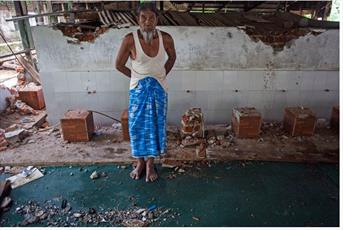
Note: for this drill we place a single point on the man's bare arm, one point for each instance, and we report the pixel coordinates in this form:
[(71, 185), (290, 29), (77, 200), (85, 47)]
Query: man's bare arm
[(170, 49), (123, 56)]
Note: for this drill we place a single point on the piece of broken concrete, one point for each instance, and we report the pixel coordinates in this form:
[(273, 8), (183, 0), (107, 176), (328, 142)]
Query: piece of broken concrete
[(23, 178), (139, 211), (94, 175), (16, 135), (134, 223), (77, 215)]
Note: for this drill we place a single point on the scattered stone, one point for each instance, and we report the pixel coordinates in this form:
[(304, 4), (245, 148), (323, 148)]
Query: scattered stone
[(150, 215), (11, 128), (123, 166), (139, 211), (50, 215), (181, 170), (71, 174), (91, 211), (77, 215), (195, 218), (220, 137), (32, 219), (94, 175), (39, 213), (134, 223)]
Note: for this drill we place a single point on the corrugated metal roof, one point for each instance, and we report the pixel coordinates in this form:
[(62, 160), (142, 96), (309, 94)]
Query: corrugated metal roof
[(174, 18)]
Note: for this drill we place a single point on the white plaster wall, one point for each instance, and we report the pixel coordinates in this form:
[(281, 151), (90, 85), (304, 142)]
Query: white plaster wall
[(216, 69)]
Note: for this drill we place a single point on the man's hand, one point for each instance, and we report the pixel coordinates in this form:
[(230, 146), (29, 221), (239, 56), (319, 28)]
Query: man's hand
[(124, 54)]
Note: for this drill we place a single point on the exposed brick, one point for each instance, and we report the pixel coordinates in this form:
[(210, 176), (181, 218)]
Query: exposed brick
[(246, 122), (299, 121), (77, 125), (192, 123), (125, 125), (32, 96), (201, 150)]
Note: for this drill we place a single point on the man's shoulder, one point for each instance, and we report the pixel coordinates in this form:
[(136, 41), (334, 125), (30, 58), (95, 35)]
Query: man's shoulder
[(128, 38), (165, 34)]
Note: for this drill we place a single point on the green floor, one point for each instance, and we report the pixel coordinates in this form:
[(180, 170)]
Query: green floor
[(225, 194)]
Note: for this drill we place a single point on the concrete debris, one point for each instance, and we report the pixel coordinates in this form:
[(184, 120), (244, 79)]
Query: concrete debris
[(3, 142), (94, 175), (201, 150), (140, 211), (27, 175), (11, 128), (10, 65), (48, 214), (192, 123), (190, 141), (77, 215), (24, 109), (135, 223), (181, 170), (31, 141), (16, 135), (195, 218)]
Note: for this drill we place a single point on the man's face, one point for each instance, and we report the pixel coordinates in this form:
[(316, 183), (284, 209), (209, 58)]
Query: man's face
[(147, 20)]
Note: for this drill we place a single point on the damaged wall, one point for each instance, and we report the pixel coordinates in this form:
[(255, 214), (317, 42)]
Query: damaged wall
[(216, 69)]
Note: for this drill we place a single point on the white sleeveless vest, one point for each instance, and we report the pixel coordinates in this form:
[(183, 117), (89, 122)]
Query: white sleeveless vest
[(145, 66)]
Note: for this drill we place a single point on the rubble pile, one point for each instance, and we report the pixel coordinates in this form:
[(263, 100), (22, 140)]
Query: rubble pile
[(61, 214), (21, 103), (192, 127), (3, 141), (23, 118), (273, 128)]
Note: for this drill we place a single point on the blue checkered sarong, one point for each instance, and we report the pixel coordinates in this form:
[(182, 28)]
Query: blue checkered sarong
[(147, 118)]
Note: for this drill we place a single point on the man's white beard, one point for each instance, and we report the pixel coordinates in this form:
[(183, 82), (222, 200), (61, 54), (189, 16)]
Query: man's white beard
[(148, 36)]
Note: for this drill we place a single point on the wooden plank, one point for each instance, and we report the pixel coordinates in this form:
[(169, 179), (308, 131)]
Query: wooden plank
[(30, 69), (188, 19)]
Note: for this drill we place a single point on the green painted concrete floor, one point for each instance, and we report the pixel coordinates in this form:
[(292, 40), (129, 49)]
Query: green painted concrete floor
[(224, 194)]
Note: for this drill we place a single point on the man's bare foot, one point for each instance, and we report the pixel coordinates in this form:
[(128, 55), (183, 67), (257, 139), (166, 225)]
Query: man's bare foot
[(151, 175), (137, 172)]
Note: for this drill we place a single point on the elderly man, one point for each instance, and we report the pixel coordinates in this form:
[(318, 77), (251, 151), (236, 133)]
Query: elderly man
[(147, 47)]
